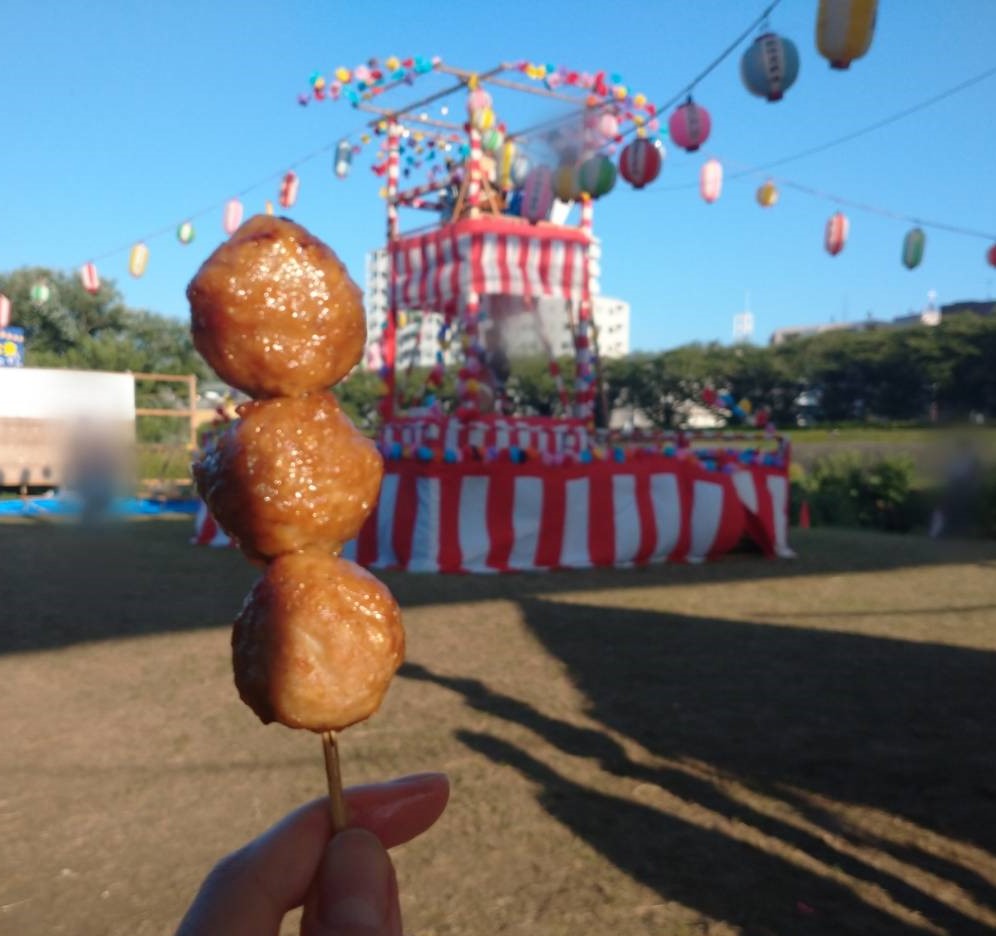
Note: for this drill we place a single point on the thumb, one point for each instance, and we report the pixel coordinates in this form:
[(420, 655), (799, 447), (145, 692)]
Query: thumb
[(355, 892)]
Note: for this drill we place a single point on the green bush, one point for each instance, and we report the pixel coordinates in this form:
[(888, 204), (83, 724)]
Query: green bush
[(847, 490)]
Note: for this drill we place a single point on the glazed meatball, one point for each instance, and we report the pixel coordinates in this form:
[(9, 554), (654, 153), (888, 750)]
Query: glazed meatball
[(316, 643), (275, 313), (290, 474)]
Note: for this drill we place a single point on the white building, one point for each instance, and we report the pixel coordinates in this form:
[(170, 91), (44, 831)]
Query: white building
[(418, 332), (525, 330)]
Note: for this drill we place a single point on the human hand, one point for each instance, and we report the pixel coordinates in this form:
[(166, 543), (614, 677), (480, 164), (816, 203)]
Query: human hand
[(347, 885)]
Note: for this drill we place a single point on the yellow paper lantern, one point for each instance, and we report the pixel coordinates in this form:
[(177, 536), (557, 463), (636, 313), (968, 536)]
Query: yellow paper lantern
[(767, 194), (342, 74), (844, 30), (483, 119), (565, 183)]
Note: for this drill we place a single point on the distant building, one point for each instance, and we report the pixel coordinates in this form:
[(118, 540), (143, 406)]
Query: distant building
[(927, 317), (781, 335)]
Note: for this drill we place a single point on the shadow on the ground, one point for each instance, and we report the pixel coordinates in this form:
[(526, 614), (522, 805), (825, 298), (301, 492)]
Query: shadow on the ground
[(63, 585), (794, 716)]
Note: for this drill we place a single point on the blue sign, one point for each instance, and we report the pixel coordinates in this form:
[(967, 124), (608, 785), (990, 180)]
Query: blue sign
[(11, 347)]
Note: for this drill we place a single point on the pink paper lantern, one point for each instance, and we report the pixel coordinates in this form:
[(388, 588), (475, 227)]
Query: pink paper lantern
[(836, 233), (537, 195), (233, 216), (478, 100), (608, 126), (4, 311), (711, 180), (689, 126)]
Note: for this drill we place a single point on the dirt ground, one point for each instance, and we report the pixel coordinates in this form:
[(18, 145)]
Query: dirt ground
[(754, 747)]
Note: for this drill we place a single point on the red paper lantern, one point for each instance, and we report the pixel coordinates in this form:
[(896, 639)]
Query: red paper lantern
[(711, 180), (90, 278), (640, 163), (689, 126), (288, 189), (836, 233), (991, 255)]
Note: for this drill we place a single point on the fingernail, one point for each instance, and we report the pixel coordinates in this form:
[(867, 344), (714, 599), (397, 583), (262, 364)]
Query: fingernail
[(355, 882), (417, 779)]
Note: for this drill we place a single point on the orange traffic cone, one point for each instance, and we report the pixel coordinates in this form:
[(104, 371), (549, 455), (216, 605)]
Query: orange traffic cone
[(804, 516)]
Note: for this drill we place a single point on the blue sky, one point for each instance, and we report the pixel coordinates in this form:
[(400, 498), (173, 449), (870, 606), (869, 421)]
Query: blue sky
[(122, 118)]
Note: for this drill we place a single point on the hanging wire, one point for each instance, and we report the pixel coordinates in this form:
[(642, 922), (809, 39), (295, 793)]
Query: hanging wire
[(241, 193), (852, 135), (758, 21), (883, 212), (884, 122)]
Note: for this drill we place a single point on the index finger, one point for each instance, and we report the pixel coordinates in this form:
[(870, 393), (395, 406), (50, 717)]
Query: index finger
[(270, 876)]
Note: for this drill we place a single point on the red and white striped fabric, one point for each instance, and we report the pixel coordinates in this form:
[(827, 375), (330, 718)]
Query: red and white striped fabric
[(206, 530), (438, 270), (502, 517), (537, 433)]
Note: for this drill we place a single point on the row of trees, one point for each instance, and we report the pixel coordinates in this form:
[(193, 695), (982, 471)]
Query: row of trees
[(894, 374), (900, 374), (65, 326)]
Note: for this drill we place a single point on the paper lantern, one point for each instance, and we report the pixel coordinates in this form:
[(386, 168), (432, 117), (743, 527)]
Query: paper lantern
[(477, 100), (597, 176), (90, 278), (492, 139), (913, 245), (483, 119), (608, 126), (640, 162), (4, 311), (565, 183), (711, 180), (343, 158), (40, 292), (836, 233), (233, 216), (520, 169), (689, 126), (767, 194), (991, 255), (844, 30), (288, 189), (137, 260), (185, 233), (537, 195), (512, 167), (770, 66)]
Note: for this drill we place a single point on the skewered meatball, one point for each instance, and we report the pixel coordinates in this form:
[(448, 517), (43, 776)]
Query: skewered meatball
[(290, 474), (275, 313), (316, 643)]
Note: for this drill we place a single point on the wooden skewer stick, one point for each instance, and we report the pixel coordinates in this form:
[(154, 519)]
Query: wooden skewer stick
[(337, 804)]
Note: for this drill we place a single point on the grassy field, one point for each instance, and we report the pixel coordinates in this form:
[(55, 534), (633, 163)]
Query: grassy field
[(747, 746)]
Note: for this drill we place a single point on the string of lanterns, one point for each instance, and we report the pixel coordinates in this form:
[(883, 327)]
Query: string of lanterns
[(768, 69)]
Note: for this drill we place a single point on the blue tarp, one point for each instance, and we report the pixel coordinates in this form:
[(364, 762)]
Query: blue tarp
[(69, 506)]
